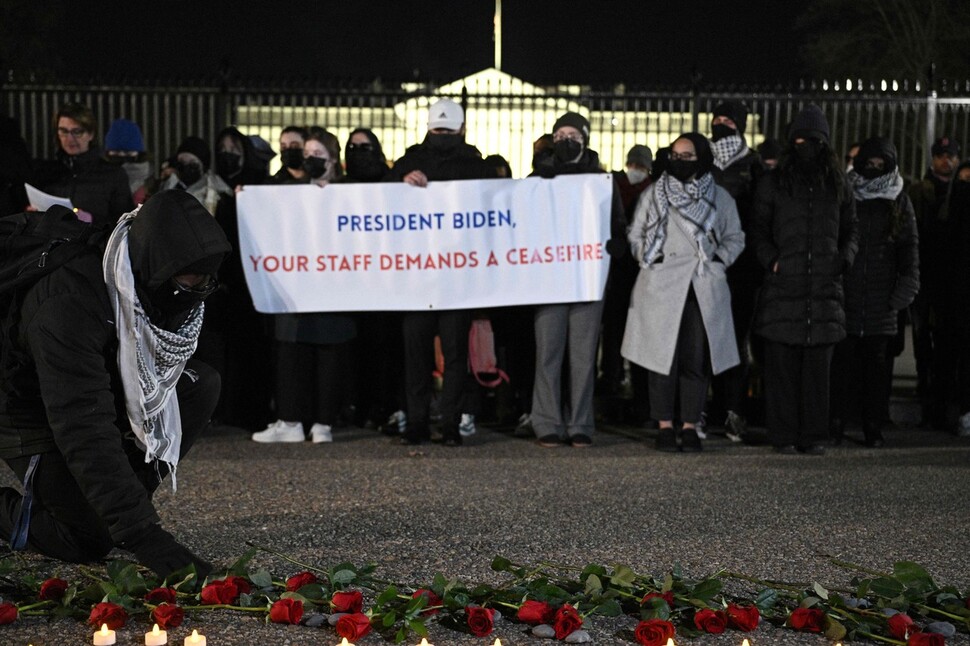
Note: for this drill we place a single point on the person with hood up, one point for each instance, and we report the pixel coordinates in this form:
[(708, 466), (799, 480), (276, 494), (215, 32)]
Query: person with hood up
[(100, 397), (98, 190), (237, 163), (883, 280), (685, 234), (572, 328), (804, 235), (192, 174), (125, 146)]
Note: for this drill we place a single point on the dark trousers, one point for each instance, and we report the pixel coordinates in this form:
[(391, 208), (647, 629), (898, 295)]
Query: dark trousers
[(63, 524), (797, 393), (379, 353), (689, 372), (730, 388), (859, 370), (309, 378), (420, 329)]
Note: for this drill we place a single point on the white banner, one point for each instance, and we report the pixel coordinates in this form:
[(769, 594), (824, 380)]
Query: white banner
[(451, 245)]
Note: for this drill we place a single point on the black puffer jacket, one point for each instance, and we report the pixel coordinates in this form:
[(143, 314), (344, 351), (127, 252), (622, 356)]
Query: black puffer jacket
[(59, 384), (91, 183), (812, 237), (885, 275)]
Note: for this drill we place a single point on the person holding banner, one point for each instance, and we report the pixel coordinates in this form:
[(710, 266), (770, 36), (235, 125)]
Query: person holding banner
[(685, 234), (443, 155), (572, 326)]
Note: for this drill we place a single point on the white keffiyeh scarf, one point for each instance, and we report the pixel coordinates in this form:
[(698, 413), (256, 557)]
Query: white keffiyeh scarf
[(887, 186), (150, 359), (695, 202), (728, 150)]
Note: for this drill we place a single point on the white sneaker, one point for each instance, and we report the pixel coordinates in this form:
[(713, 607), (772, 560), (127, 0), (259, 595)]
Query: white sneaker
[(280, 431), (467, 425), (963, 425), (321, 433), (399, 419)]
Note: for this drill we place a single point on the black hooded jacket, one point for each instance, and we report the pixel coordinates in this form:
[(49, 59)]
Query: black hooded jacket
[(464, 161), (60, 388)]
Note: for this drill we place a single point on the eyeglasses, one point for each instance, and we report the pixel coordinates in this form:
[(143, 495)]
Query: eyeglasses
[(203, 288), (72, 132), (572, 136), (683, 156), (364, 147)]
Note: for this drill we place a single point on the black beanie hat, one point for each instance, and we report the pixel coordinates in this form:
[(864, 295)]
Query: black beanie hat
[(197, 147), (876, 147), (702, 147), (577, 121), (810, 123), (736, 112)]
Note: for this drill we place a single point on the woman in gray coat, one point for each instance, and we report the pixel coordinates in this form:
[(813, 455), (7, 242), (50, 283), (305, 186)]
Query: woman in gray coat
[(685, 233)]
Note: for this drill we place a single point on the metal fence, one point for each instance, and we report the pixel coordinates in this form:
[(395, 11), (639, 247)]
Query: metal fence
[(503, 119)]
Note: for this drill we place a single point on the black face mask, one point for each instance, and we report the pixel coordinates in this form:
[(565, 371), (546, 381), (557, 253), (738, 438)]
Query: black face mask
[(722, 130), (567, 150), (292, 158), (443, 142), (364, 165), (871, 173), (188, 174), (682, 170), (228, 164), (168, 306), (808, 151), (316, 166)]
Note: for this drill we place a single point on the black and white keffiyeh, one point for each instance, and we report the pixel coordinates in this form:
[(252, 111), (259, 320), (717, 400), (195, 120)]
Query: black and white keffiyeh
[(887, 186), (150, 359), (728, 150), (695, 202)]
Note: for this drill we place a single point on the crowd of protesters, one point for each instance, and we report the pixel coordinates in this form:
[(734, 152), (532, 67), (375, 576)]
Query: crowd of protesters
[(782, 271)]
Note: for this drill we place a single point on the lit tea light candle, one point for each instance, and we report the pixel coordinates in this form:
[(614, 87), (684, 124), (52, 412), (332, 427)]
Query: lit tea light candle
[(156, 637), (104, 637), (344, 642), (498, 642), (745, 643), (670, 641), (425, 642), (195, 639)]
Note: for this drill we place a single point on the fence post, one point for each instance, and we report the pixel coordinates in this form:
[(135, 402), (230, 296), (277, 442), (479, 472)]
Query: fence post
[(931, 104), (224, 110), (695, 79)]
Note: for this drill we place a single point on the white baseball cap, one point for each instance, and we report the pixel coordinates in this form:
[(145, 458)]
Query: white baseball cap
[(445, 113)]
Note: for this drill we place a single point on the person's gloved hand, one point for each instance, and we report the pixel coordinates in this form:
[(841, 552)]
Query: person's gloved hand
[(157, 549), (617, 247)]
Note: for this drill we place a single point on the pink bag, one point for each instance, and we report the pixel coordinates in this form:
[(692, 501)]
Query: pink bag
[(481, 354)]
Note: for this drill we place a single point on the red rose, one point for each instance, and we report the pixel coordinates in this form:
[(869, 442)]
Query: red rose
[(926, 639), (241, 584), (161, 595), (710, 621), (168, 616), (8, 613), (108, 613), (744, 618), (654, 632), (433, 600), (667, 596), (567, 620), (353, 626), (52, 590), (536, 612), (286, 611), (297, 581), (810, 620), (221, 592), (901, 625), (349, 601), (481, 621)]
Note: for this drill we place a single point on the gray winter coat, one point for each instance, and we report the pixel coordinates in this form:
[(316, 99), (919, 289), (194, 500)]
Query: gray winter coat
[(657, 302)]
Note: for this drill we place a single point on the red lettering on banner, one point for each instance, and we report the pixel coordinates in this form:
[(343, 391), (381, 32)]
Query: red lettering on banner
[(492, 260)]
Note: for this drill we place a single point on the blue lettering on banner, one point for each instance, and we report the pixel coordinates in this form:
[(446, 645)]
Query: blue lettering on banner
[(390, 222), (480, 219)]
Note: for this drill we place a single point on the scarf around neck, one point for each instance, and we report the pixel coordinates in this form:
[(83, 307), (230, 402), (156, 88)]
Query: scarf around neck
[(694, 200), (887, 186), (150, 359), (728, 150)]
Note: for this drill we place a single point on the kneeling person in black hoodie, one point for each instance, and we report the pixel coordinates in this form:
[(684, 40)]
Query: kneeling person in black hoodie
[(99, 398)]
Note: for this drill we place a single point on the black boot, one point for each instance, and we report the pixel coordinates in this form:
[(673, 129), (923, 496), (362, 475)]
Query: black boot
[(873, 435), (689, 441)]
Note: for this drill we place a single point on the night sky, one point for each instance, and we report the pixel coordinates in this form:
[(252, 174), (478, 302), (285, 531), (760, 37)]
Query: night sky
[(639, 43)]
